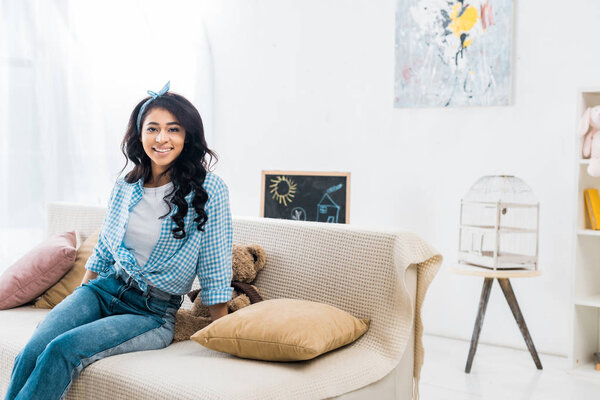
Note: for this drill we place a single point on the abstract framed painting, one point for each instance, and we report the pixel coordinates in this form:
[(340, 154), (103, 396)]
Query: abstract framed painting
[(453, 53)]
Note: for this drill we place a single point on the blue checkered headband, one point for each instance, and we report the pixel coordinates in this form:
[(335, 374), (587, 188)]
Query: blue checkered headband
[(153, 95), (173, 263)]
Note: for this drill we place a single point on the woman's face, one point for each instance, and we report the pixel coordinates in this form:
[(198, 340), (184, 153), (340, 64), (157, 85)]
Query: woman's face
[(162, 138)]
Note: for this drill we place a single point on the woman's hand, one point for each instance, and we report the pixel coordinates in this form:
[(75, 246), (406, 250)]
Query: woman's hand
[(88, 275), (218, 310)]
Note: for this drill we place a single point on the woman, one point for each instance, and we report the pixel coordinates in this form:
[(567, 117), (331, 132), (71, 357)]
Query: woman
[(167, 221)]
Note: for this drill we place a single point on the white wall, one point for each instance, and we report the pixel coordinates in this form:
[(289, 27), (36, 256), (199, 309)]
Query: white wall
[(308, 85)]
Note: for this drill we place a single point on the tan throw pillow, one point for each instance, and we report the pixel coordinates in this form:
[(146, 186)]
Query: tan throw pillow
[(69, 282), (282, 330)]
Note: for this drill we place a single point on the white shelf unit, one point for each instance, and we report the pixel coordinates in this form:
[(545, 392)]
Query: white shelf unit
[(586, 266)]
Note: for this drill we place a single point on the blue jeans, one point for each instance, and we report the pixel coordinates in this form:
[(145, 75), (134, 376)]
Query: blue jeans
[(101, 318)]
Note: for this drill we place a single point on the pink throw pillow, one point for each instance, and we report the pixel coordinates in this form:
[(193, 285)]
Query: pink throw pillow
[(38, 270)]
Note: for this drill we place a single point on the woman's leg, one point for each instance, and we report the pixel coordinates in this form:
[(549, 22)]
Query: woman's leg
[(79, 308), (65, 357)]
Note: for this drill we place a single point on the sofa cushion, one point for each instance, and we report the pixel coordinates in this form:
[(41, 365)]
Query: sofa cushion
[(185, 370), (69, 282), (282, 330), (37, 270)]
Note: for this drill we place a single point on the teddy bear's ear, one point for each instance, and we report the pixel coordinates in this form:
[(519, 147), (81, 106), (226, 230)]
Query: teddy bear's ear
[(584, 122), (259, 256), (193, 294)]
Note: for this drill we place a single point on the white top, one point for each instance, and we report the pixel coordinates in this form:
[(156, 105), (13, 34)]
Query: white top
[(143, 227)]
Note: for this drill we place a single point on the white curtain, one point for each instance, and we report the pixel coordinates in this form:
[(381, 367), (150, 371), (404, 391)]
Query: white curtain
[(71, 72)]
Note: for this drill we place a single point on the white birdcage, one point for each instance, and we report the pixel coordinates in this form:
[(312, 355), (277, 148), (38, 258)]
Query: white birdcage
[(499, 224)]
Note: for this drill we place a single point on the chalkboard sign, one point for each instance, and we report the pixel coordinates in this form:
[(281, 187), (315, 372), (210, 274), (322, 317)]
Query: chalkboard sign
[(306, 196)]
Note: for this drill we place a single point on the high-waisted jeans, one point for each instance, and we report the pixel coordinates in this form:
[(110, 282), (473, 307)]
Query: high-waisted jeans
[(101, 318)]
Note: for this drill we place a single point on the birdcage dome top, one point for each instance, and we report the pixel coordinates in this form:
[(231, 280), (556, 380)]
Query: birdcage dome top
[(504, 188)]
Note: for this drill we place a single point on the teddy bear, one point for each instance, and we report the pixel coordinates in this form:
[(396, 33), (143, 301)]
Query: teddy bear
[(246, 262), (591, 138)]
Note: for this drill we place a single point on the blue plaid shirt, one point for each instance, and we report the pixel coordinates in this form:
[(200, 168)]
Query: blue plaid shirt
[(173, 263)]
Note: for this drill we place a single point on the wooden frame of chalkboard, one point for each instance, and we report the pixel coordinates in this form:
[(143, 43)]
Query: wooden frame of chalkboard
[(306, 196)]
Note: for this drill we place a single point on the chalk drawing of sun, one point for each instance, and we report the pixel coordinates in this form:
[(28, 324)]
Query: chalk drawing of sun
[(283, 189)]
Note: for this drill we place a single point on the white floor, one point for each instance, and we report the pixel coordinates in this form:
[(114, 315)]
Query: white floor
[(499, 373)]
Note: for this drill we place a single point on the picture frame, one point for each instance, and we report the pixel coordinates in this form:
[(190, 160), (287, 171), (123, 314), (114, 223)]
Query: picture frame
[(305, 195)]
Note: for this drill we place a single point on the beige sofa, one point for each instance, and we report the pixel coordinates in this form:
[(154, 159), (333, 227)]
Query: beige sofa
[(371, 274)]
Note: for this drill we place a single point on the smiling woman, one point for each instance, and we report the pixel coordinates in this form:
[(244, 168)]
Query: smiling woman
[(166, 143), (163, 138), (143, 262)]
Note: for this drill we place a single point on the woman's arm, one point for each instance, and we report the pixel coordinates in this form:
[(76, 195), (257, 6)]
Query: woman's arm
[(101, 258), (214, 261), (88, 275)]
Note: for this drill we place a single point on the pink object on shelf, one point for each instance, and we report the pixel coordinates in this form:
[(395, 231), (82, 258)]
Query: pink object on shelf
[(589, 126), (38, 270)]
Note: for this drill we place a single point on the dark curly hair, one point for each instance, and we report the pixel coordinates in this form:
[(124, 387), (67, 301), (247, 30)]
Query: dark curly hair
[(187, 172)]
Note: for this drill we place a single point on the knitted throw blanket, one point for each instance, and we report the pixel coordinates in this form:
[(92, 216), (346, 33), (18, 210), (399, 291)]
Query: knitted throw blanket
[(359, 271)]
